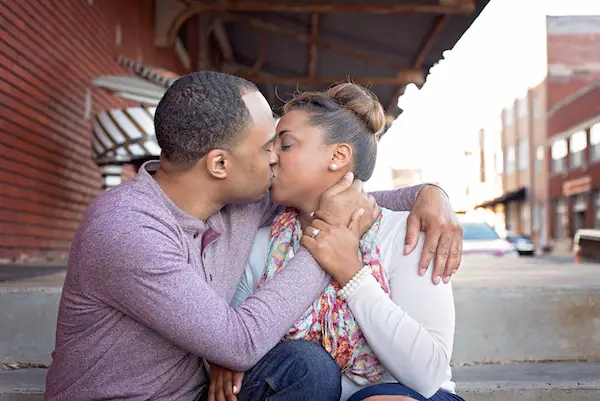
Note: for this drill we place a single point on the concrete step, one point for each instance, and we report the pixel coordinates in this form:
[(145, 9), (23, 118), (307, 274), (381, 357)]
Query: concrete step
[(529, 382), (28, 323), (22, 385), (500, 324), (506, 324), (512, 382)]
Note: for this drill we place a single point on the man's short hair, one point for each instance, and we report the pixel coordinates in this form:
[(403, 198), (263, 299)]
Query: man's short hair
[(200, 112)]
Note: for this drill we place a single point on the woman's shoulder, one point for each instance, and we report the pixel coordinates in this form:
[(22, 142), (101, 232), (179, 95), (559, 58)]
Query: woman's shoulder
[(393, 226)]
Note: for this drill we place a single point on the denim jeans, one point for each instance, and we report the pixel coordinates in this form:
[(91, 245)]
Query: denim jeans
[(293, 371), (399, 389)]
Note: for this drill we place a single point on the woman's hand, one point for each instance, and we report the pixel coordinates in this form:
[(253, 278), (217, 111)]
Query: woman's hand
[(225, 384), (335, 247), (344, 197)]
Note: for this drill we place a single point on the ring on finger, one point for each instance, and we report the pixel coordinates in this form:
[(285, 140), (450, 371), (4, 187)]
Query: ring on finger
[(315, 232)]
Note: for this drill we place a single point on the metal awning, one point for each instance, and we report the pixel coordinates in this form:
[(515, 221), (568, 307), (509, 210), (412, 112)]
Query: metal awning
[(124, 136), (284, 45), (513, 196), (132, 88)]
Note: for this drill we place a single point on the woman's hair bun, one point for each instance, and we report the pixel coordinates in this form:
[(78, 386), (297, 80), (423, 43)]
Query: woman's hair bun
[(361, 102)]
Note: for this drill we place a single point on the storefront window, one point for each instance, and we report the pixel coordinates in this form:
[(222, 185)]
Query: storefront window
[(597, 224), (560, 217)]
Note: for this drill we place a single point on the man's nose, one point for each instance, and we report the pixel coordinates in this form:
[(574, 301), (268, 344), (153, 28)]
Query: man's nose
[(273, 157)]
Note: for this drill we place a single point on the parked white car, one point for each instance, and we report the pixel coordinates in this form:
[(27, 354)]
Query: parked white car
[(479, 238)]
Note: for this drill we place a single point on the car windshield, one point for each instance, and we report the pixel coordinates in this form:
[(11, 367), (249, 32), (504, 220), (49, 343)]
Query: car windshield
[(478, 231)]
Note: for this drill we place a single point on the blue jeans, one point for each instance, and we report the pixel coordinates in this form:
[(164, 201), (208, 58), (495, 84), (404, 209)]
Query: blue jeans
[(293, 371), (399, 389)]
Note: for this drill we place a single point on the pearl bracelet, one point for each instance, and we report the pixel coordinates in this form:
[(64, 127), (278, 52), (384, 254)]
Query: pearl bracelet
[(352, 285)]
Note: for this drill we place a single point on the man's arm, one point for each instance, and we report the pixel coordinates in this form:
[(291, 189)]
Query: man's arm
[(431, 212), (401, 199), (143, 271)]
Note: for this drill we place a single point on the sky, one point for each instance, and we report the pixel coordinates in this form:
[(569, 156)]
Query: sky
[(500, 56)]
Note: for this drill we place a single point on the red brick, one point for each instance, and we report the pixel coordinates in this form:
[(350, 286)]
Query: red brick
[(49, 53)]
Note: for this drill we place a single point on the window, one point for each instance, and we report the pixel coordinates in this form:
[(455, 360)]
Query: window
[(522, 108), (498, 162), (560, 219), (523, 153), (597, 210), (539, 159), (537, 105), (559, 154), (595, 142), (509, 163), (508, 117), (578, 144), (524, 216)]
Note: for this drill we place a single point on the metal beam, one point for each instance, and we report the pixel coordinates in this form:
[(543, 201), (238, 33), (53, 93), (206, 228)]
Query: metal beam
[(454, 7), (313, 48), (438, 26), (403, 78), (308, 39)]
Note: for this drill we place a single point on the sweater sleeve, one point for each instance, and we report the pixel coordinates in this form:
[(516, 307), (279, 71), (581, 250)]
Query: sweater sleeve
[(144, 273), (412, 333)]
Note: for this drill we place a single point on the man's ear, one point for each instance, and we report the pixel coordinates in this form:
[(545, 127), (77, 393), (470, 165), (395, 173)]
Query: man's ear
[(341, 155), (218, 162)]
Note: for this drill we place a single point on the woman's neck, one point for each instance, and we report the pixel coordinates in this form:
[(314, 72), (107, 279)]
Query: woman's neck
[(305, 219)]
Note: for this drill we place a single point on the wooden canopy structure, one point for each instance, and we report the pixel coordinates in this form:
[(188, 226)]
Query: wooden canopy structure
[(285, 45)]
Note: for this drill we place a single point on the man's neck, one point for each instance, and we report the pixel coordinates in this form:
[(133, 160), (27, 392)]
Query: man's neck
[(189, 193)]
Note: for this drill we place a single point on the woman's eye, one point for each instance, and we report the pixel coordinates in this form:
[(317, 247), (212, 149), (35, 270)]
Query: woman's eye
[(285, 147)]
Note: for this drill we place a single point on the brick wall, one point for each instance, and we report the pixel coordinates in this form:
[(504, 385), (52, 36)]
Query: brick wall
[(573, 55), (49, 52)]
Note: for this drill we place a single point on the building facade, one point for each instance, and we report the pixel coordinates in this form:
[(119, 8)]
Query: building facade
[(548, 140), (49, 54)]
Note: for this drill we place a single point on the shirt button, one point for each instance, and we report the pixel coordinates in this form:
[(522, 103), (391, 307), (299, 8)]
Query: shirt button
[(210, 277), (195, 235)]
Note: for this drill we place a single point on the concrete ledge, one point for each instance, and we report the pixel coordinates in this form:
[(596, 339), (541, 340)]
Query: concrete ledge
[(530, 382), (28, 324), (505, 324), (499, 324), (22, 385), (512, 382)]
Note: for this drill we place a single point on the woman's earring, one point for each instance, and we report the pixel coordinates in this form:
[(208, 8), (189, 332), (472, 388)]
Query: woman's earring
[(333, 167)]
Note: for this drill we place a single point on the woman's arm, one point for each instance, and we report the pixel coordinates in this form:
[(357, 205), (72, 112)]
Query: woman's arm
[(412, 334)]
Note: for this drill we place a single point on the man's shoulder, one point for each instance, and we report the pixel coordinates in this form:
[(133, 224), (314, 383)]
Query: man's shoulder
[(128, 199), (125, 209)]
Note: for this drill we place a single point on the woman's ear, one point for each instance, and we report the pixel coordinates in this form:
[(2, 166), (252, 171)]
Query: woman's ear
[(217, 163), (341, 156)]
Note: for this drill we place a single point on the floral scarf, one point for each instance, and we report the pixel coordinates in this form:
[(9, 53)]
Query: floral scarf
[(329, 320)]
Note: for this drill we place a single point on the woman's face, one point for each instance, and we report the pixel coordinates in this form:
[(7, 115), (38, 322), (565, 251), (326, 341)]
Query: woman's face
[(303, 172)]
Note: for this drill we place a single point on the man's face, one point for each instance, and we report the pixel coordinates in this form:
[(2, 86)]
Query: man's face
[(252, 174)]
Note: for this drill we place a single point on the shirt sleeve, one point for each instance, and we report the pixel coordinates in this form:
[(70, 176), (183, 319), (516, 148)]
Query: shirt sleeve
[(412, 334), (255, 268), (401, 199), (144, 273)]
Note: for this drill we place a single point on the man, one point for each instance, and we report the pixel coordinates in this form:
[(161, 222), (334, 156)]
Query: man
[(156, 262)]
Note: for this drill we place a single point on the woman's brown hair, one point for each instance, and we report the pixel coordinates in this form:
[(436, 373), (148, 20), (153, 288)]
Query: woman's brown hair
[(348, 113)]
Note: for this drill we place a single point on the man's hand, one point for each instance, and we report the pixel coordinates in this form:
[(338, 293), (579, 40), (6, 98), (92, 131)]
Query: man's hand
[(335, 247), (224, 384), (433, 214), (346, 196)]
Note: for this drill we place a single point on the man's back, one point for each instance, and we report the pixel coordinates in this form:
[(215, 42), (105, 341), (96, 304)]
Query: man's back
[(148, 290), (119, 357)]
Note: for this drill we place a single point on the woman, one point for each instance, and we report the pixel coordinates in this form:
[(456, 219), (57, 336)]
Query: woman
[(382, 323)]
